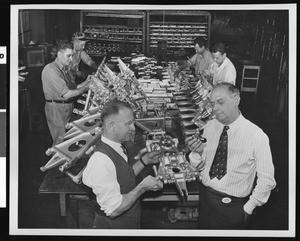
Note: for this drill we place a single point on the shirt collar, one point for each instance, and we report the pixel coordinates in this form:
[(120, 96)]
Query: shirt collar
[(224, 63), (234, 125), (111, 143)]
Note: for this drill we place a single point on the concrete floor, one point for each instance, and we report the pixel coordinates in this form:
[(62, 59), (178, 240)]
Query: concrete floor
[(42, 211)]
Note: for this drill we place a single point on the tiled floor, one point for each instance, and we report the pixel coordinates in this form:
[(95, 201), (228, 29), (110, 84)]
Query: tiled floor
[(42, 211)]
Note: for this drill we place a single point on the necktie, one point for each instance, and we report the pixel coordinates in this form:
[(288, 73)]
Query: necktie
[(124, 149), (219, 166)]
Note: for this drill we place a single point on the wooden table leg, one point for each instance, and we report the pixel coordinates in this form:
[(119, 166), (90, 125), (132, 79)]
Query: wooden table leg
[(63, 205), (76, 213)]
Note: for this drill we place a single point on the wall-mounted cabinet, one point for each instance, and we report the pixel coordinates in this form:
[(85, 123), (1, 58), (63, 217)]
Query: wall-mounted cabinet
[(177, 28), (114, 32), (118, 32)]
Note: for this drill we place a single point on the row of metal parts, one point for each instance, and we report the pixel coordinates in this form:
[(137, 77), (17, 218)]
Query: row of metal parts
[(93, 47), (114, 29), (163, 27), (100, 35)]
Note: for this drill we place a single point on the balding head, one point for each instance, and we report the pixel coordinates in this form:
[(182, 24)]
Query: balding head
[(225, 99)]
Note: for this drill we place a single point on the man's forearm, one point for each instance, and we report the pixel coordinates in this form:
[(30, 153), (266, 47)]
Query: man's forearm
[(83, 84), (128, 200), (73, 93), (93, 65)]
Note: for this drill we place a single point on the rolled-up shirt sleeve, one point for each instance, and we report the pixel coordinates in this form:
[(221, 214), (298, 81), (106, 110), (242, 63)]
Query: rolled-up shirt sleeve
[(86, 58), (192, 60), (100, 175), (265, 173)]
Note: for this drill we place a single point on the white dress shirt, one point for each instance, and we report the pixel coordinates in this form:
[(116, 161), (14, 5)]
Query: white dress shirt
[(100, 175), (249, 155), (226, 72)]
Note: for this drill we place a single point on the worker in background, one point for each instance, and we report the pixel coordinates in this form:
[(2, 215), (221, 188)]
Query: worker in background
[(79, 40), (202, 60), (237, 152), (111, 175), (59, 89), (222, 69)]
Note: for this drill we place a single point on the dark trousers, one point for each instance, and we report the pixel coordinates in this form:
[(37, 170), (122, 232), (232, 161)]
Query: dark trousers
[(216, 212), (121, 222)]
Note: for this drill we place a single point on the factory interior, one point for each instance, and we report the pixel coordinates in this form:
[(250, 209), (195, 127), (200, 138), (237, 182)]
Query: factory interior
[(255, 38)]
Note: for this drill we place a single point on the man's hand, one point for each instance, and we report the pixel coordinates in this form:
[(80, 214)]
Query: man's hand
[(81, 74), (206, 73), (151, 157), (152, 183), (89, 78), (87, 82), (194, 144)]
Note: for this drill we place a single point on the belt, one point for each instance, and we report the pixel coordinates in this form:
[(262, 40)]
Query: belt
[(60, 101), (222, 194)]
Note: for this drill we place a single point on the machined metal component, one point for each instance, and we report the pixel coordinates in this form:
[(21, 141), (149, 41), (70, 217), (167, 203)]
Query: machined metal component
[(182, 98), (187, 116), (153, 126), (173, 168), (82, 125), (67, 153), (187, 123), (187, 110), (185, 103)]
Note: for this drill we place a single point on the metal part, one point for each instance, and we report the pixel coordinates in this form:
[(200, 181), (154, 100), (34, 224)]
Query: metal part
[(187, 123), (179, 93), (76, 178), (185, 103), (187, 116), (173, 167), (153, 126), (187, 110), (67, 153), (82, 125), (181, 98)]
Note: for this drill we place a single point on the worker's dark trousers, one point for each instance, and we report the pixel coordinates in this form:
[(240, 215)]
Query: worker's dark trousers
[(217, 214)]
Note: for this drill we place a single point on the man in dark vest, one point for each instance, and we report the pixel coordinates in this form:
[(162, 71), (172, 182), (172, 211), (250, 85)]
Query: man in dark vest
[(111, 177)]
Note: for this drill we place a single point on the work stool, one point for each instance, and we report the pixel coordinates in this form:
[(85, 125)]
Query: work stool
[(250, 78)]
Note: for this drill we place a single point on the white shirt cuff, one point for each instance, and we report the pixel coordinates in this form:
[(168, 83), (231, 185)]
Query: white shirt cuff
[(195, 159), (249, 207)]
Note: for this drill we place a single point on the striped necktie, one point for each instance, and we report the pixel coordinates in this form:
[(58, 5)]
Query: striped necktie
[(219, 166), (124, 149)]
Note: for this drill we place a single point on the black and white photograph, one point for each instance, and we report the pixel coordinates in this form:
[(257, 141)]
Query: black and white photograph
[(152, 120)]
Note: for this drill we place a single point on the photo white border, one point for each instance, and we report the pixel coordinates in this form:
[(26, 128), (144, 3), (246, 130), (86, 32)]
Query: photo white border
[(13, 177)]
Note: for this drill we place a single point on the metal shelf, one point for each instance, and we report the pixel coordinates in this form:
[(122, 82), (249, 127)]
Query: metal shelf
[(117, 40), (116, 33), (179, 12), (119, 22), (178, 28), (160, 24), (109, 26)]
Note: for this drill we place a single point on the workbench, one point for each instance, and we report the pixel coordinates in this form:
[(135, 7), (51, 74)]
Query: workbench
[(56, 182)]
